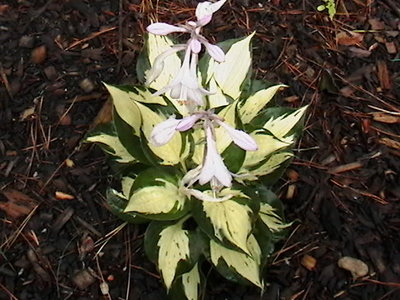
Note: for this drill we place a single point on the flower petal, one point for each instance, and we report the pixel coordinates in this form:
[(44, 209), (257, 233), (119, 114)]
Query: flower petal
[(188, 122), (214, 51), (195, 45), (164, 28), (239, 137), (205, 196), (213, 164), (207, 8), (158, 64), (163, 132)]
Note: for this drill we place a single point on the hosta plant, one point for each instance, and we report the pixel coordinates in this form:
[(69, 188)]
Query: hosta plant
[(197, 148)]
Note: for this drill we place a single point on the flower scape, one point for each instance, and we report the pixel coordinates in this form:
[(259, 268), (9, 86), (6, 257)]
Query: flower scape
[(197, 148)]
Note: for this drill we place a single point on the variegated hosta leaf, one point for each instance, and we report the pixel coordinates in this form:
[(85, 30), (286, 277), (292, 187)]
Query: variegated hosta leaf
[(174, 247), (282, 125), (231, 73), (271, 218), (199, 142), (117, 202), (228, 221), (191, 283), (170, 153), (267, 144), (126, 108), (247, 266), (155, 46), (126, 184), (156, 199), (255, 103), (113, 142), (267, 167), (143, 95), (217, 99), (228, 113)]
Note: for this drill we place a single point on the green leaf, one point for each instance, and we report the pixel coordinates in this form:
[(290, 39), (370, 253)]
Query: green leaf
[(233, 157), (228, 221), (231, 73), (125, 107), (155, 45), (283, 124), (191, 283), (271, 213), (129, 140), (269, 166), (175, 249), (267, 144), (255, 103), (228, 114), (174, 246), (170, 153), (114, 147), (217, 99), (144, 95), (270, 217), (155, 195), (117, 203), (187, 286), (246, 266)]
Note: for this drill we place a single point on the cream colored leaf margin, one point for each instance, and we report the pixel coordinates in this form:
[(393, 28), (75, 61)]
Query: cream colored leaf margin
[(174, 247), (255, 103), (126, 107), (231, 73), (283, 124), (248, 266), (156, 199), (170, 152), (155, 46), (191, 283), (230, 220), (270, 218), (113, 142)]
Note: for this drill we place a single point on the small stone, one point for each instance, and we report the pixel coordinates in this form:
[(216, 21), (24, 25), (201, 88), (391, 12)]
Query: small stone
[(356, 267), (26, 41), (87, 85), (51, 73), (309, 262), (39, 54), (83, 279)]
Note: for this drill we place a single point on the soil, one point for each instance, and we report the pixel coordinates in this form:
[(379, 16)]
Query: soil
[(59, 241)]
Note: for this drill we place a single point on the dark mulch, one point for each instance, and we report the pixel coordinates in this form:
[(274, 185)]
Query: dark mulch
[(58, 241)]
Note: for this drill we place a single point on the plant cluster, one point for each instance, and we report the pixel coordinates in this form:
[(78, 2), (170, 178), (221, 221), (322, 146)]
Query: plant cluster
[(196, 147)]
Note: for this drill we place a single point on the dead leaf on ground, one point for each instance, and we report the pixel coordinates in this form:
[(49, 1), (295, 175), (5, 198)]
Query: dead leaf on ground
[(349, 38), (385, 118), (18, 204), (104, 115), (376, 24), (360, 53), (390, 143), (383, 75), (63, 196), (3, 9), (391, 47)]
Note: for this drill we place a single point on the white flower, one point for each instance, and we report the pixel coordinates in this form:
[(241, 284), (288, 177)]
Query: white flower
[(213, 168), (185, 86)]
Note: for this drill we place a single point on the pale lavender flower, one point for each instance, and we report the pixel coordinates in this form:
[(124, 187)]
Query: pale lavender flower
[(185, 86), (214, 169)]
